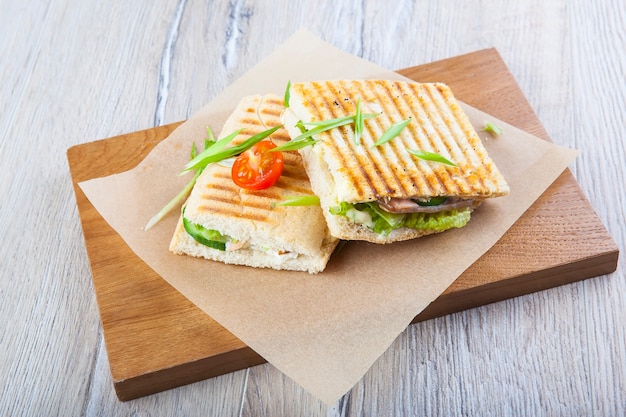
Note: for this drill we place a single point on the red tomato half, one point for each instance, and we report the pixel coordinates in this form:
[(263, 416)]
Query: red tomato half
[(258, 168)]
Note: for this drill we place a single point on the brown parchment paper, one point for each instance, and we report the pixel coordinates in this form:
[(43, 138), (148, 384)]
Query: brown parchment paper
[(324, 331)]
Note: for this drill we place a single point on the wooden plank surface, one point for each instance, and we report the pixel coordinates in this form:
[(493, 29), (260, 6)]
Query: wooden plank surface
[(145, 321)]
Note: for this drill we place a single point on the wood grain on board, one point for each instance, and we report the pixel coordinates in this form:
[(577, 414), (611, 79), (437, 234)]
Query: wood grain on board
[(156, 339)]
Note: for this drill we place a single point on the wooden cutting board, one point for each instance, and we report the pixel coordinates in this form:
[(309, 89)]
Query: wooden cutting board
[(156, 339)]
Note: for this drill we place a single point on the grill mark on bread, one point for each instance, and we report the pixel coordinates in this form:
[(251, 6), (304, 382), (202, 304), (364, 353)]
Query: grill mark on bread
[(294, 172), (469, 152), (268, 193), (235, 203), (369, 166), (485, 171), (368, 160), (236, 211), (362, 161), (443, 100), (219, 187), (279, 136), (436, 113), (348, 102), (215, 198), (319, 102), (272, 112), (421, 171), (389, 169), (475, 181), (405, 188), (250, 122), (393, 180)]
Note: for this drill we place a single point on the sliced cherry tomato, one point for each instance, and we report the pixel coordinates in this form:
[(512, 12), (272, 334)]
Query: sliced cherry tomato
[(258, 168)]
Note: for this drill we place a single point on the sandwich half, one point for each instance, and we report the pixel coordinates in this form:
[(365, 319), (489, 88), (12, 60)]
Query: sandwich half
[(245, 227), (399, 189)]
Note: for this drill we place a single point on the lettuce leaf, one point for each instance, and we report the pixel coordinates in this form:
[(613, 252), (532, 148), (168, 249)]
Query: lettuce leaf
[(371, 215)]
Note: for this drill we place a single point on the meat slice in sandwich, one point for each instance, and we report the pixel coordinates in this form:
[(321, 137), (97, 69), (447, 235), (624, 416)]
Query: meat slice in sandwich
[(399, 189), (245, 227)]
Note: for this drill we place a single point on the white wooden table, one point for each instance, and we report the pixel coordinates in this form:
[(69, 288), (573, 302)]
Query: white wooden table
[(75, 71)]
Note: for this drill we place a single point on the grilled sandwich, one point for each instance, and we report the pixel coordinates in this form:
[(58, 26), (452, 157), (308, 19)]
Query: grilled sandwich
[(245, 227), (426, 179)]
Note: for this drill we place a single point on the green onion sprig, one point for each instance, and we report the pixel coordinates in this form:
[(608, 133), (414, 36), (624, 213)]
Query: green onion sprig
[(492, 128), (393, 131), (299, 200), (219, 151), (294, 145), (305, 139), (214, 151), (431, 156), (358, 123), (209, 142), (287, 95)]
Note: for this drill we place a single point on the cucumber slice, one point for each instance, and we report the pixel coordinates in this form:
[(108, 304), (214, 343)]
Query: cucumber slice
[(206, 237)]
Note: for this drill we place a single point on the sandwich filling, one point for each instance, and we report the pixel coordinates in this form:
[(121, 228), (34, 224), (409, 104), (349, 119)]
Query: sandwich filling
[(374, 216), (216, 240)]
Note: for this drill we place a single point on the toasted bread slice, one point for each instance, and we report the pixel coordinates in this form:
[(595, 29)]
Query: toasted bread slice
[(344, 170), (259, 234)]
